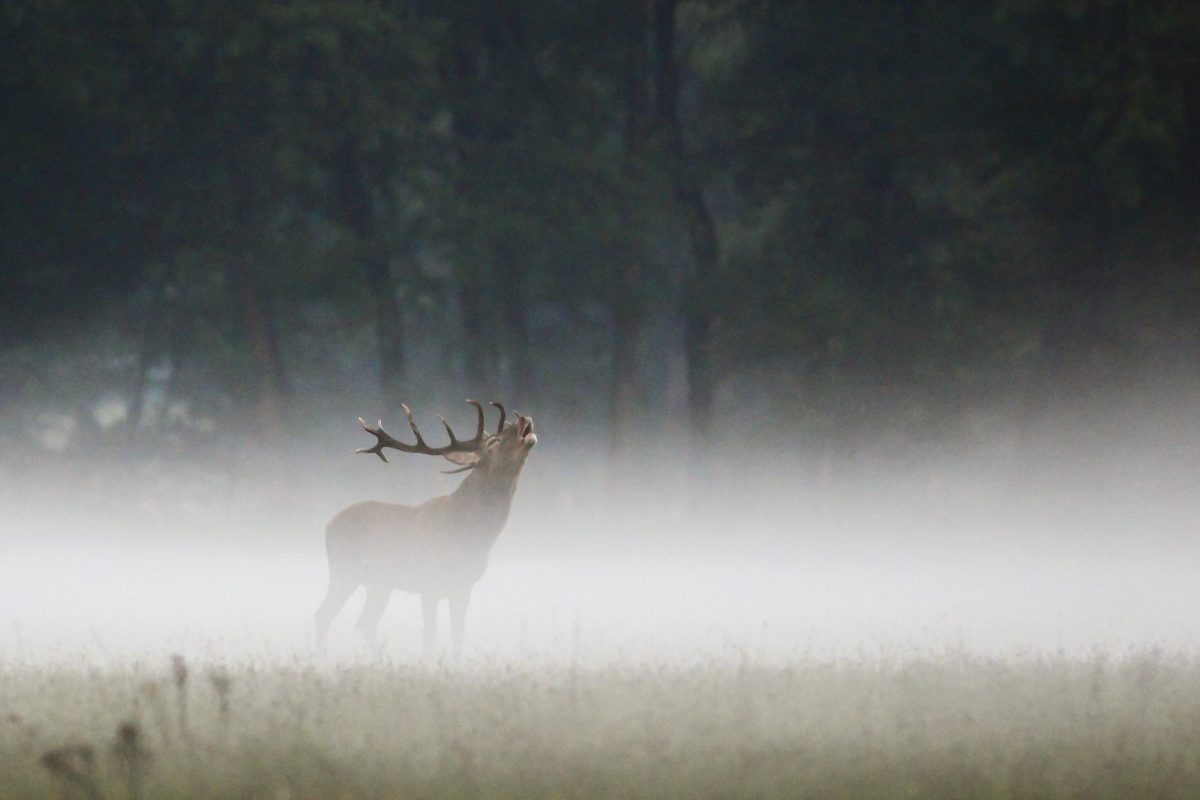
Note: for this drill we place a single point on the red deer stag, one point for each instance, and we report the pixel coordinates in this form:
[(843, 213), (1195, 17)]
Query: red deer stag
[(438, 549)]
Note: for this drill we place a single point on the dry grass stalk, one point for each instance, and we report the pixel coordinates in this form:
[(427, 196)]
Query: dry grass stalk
[(152, 692), (179, 673), (75, 767), (132, 758), (222, 684)]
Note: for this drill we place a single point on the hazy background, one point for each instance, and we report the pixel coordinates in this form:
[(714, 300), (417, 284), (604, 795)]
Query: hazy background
[(847, 328)]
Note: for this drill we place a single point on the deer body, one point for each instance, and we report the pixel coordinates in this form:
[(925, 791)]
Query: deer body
[(438, 549)]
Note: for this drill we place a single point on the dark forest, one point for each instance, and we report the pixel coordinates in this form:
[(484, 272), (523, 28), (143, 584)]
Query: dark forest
[(870, 216)]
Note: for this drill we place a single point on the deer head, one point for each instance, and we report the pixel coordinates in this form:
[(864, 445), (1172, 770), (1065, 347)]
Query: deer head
[(502, 451)]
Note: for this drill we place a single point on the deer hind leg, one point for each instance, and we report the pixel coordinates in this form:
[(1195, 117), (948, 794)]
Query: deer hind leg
[(458, 617), (336, 595), (429, 605), (368, 621)]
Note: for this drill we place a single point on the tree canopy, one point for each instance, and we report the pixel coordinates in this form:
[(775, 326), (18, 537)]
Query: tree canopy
[(947, 202)]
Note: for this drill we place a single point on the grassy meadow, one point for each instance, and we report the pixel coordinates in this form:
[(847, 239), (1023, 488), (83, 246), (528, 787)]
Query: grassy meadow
[(950, 726)]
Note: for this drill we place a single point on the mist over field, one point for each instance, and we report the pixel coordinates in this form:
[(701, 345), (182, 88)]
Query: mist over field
[(1082, 541)]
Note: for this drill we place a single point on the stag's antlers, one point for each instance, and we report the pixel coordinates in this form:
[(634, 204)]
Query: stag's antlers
[(500, 424), (384, 439)]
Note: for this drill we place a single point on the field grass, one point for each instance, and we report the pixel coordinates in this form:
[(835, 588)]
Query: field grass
[(944, 727)]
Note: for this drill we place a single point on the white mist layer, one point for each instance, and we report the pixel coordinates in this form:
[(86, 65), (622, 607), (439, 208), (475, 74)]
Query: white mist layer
[(258, 603), (1072, 538)]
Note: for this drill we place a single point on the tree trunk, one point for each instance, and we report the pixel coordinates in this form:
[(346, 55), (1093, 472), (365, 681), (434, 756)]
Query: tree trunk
[(389, 328), (515, 311), (137, 392), (700, 275), (698, 314), (478, 353), (624, 300), (623, 388), (361, 214), (259, 323), (277, 375), (148, 348)]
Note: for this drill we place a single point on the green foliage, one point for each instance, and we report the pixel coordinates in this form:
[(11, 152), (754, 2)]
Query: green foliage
[(1117, 74)]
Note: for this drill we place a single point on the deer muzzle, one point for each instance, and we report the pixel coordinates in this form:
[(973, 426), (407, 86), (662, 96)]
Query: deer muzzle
[(528, 437)]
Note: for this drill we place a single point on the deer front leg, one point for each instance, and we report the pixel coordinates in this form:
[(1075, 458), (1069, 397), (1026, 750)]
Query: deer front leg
[(339, 591), (429, 604), (458, 617), (368, 621)]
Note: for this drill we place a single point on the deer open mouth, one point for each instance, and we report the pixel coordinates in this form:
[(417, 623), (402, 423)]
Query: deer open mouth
[(526, 432)]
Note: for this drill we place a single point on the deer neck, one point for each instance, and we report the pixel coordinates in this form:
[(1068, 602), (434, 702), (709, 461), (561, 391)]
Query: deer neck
[(485, 498)]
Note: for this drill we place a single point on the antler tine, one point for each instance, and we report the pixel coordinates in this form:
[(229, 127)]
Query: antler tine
[(453, 441), (500, 424), (380, 437), (412, 424), (479, 427)]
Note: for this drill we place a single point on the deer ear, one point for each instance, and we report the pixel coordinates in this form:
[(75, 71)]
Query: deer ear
[(462, 459)]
